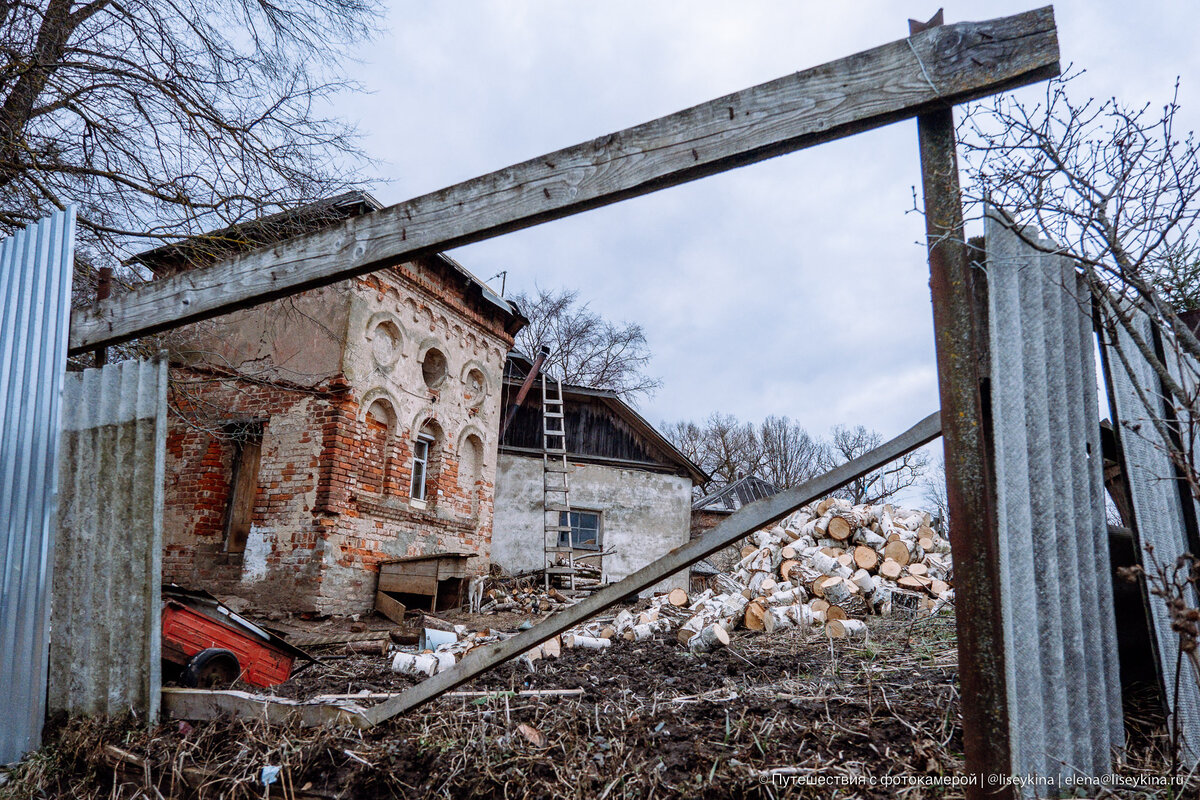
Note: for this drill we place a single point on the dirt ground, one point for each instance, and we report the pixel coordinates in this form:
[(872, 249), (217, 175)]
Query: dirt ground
[(790, 715)]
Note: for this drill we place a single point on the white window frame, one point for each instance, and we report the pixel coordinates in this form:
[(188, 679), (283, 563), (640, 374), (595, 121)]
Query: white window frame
[(570, 535), (417, 489)]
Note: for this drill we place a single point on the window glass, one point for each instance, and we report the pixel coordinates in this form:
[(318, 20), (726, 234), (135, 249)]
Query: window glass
[(585, 530), (420, 459)]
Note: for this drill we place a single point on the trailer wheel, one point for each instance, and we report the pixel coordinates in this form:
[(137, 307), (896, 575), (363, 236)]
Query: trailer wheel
[(210, 669)]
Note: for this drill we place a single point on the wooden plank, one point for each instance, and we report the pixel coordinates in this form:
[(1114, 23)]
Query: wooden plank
[(427, 568), (409, 584), (960, 325), (390, 607), (321, 639), (936, 68), (452, 568), (241, 498), (204, 704), (737, 525)]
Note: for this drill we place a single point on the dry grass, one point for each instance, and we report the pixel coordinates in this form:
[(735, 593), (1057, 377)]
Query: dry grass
[(757, 719)]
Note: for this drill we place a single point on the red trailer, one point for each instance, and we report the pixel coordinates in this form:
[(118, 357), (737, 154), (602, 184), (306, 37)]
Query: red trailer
[(214, 646)]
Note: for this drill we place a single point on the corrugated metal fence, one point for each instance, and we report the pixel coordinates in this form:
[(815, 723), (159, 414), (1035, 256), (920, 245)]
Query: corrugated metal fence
[(105, 655), (35, 289), (1158, 501), (1062, 673)]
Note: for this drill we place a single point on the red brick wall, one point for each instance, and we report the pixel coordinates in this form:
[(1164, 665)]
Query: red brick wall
[(324, 524), (200, 456)]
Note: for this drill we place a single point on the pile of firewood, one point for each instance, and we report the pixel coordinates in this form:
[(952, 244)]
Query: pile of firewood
[(523, 598), (849, 559), (829, 564)]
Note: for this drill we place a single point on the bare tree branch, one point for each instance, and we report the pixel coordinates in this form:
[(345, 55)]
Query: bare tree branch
[(585, 348)]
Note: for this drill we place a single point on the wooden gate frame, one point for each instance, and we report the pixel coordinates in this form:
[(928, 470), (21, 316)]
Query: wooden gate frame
[(922, 76)]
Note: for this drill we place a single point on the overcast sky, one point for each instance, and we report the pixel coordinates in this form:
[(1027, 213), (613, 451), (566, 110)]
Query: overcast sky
[(797, 286)]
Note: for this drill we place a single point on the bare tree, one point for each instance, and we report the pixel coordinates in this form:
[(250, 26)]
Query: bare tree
[(732, 448), (934, 484), (1114, 188), (688, 437), (850, 443), (163, 119), (791, 455), (585, 348), (778, 450)]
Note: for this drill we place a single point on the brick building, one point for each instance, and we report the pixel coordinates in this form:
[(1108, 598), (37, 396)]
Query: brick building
[(313, 437)]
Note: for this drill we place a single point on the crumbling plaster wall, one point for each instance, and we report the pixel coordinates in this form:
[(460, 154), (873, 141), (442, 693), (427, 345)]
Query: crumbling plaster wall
[(394, 323), (297, 340), (644, 515)]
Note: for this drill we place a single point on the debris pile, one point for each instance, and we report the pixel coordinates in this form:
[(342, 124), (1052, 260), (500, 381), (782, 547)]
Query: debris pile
[(521, 596)]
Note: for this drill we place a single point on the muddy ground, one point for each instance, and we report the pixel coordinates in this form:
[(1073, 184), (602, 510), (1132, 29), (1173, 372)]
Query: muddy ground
[(770, 716)]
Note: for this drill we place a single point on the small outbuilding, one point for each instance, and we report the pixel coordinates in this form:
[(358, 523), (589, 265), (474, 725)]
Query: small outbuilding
[(630, 488)]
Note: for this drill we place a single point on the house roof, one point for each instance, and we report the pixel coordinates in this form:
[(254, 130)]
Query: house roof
[(242, 237), (622, 410), (737, 494)]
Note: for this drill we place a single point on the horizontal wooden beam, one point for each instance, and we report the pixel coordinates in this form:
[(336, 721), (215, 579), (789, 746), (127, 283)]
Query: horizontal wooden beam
[(936, 68), (737, 525)]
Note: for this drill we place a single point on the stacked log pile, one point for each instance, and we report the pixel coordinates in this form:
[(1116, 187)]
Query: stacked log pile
[(851, 560), (826, 566), (522, 597)]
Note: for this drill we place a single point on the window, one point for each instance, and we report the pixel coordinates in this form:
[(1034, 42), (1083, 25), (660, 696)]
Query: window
[(585, 530), (420, 466)]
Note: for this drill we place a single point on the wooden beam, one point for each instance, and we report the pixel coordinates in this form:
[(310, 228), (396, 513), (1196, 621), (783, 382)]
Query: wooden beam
[(750, 518), (933, 69), (207, 704), (958, 290)]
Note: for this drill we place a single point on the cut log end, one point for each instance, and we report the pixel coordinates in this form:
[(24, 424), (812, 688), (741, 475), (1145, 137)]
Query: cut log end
[(851, 629), (839, 528)]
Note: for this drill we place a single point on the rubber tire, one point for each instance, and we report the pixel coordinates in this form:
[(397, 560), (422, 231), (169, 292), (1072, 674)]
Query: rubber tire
[(211, 669)]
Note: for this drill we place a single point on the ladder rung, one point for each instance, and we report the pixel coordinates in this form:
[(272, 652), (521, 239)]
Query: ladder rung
[(556, 451), (558, 528), (561, 469), (557, 507), (560, 570), (553, 414)]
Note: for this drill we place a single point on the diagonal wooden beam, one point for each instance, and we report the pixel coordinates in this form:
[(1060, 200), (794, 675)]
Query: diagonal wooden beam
[(741, 523), (932, 69)]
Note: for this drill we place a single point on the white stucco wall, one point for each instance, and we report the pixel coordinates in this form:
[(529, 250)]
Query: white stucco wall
[(645, 515)]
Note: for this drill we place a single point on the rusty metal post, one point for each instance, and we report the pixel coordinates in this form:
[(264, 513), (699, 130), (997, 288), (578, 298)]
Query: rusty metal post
[(959, 323), (525, 387)]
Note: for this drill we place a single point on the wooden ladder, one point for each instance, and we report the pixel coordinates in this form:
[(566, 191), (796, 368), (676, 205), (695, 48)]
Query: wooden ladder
[(556, 499)]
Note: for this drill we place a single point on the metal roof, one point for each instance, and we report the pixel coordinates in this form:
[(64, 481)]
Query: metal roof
[(737, 494)]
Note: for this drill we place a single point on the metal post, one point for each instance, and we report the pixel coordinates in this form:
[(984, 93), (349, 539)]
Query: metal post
[(525, 387), (960, 338)]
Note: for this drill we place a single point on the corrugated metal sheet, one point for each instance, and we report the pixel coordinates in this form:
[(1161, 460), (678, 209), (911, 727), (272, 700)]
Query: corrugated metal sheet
[(1060, 633), (35, 289), (105, 653), (1157, 502), (741, 492)]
